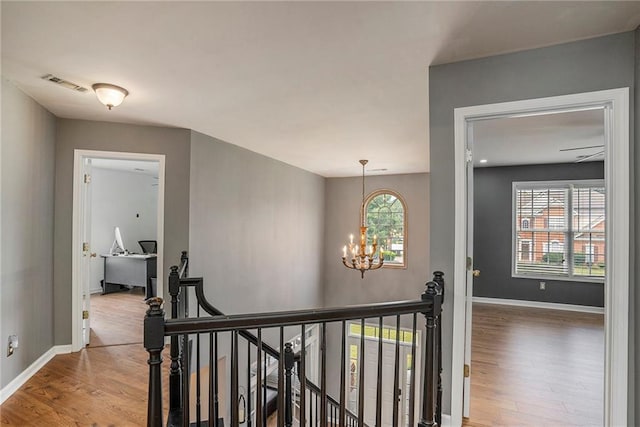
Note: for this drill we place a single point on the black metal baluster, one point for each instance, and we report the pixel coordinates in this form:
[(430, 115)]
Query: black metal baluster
[(302, 374), (412, 387), (361, 376), (234, 379), (259, 386), (198, 407), (264, 392), (323, 378), (379, 385), (396, 375), (247, 411), (216, 407), (186, 375), (343, 366), (281, 392), (212, 420)]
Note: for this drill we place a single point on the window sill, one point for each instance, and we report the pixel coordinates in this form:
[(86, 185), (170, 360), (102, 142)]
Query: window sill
[(560, 278)]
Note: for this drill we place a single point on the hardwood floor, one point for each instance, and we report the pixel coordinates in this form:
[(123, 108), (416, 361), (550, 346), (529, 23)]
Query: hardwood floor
[(117, 318), (529, 367), (536, 367), (103, 385)]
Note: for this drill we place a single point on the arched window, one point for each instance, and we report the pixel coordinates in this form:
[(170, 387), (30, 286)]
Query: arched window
[(525, 224), (386, 216)]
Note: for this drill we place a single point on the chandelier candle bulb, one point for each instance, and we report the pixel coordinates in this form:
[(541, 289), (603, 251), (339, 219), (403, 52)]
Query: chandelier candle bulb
[(344, 251)]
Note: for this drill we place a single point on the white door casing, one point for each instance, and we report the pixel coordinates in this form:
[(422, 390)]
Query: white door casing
[(466, 400), (616, 107), (79, 224), (87, 250)]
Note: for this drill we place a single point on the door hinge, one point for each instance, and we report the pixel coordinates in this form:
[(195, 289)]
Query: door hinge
[(466, 371), (85, 247), (87, 178), (469, 156), (85, 314)]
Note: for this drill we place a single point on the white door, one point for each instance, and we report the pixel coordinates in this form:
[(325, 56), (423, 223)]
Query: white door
[(387, 380), (466, 399), (87, 253)]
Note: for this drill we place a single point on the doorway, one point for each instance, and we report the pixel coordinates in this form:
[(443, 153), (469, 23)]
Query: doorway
[(371, 380), (118, 200), (615, 104)]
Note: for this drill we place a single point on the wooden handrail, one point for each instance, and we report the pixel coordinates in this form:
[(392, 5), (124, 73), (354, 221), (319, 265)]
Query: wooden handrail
[(237, 322)]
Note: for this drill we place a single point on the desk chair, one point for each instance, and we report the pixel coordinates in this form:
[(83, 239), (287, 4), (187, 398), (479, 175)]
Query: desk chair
[(148, 246)]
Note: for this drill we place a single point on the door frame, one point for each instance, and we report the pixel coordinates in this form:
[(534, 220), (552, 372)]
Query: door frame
[(617, 184), (78, 224)]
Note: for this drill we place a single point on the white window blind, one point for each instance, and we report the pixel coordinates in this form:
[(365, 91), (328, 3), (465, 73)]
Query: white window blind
[(558, 229)]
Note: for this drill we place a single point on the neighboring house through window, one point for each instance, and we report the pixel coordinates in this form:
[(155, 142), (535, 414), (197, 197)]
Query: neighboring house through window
[(559, 229), (386, 216)]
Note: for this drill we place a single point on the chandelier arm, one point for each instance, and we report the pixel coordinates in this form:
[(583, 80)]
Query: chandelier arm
[(344, 261)]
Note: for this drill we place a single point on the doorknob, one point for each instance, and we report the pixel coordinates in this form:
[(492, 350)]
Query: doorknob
[(93, 255), (476, 273)]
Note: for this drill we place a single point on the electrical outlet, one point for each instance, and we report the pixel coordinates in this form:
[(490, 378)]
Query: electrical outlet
[(13, 344), (543, 286)]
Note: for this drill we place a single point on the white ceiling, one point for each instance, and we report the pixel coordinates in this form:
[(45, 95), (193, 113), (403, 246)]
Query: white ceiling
[(317, 85), (549, 138)]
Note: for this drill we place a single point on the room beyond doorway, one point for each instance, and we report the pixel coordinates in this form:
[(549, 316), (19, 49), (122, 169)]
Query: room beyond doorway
[(124, 216), (616, 284)]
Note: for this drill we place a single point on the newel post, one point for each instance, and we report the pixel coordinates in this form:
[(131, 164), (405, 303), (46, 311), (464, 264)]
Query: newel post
[(428, 418), (438, 277), (289, 360), (154, 344), (175, 380)]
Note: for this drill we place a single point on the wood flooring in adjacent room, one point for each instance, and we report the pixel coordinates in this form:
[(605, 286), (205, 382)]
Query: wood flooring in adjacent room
[(532, 366), (103, 385)]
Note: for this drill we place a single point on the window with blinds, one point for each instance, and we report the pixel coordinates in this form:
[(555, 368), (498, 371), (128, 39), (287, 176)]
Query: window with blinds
[(559, 230)]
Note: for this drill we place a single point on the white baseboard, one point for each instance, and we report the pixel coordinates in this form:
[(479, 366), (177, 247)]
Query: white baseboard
[(446, 420), (539, 304), (95, 291), (24, 376)]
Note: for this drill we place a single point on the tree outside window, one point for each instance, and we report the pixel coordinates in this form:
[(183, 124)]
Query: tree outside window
[(385, 215)]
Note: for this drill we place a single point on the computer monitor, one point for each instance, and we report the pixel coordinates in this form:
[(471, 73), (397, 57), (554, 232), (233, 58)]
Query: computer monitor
[(118, 245)]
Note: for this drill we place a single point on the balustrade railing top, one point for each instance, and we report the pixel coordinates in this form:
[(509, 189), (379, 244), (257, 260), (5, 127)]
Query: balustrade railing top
[(180, 329)]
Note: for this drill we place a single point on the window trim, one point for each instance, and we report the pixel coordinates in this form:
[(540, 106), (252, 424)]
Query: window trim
[(568, 249), (405, 221)]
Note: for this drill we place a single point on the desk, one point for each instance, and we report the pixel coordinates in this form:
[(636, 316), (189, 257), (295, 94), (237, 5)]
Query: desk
[(129, 270)]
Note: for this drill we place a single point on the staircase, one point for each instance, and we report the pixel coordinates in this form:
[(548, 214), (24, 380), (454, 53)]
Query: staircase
[(320, 367)]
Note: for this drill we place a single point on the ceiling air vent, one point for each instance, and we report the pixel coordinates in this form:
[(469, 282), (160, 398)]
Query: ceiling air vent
[(64, 83)]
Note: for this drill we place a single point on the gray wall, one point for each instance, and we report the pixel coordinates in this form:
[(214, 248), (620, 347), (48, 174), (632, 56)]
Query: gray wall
[(344, 286), (128, 200), (634, 339), (492, 240), (89, 135), (589, 65), (256, 229), (342, 217), (26, 309)]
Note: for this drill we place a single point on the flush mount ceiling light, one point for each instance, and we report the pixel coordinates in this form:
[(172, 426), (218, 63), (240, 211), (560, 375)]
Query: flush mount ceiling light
[(110, 95)]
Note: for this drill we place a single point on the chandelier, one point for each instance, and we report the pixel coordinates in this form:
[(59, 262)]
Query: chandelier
[(362, 256)]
